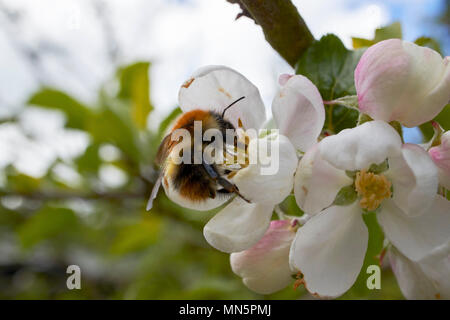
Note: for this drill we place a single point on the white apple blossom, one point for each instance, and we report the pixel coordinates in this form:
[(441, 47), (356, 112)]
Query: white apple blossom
[(239, 225), (264, 268), (397, 181), (441, 157), (399, 80)]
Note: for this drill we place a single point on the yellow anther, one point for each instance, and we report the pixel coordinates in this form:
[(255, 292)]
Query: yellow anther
[(240, 125), (373, 188), (239, 153)]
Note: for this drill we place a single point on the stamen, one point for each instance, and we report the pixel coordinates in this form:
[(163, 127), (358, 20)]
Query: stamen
[(299, 280), (294, 225), (240, 125), (381, 256), (373, 188), (232, 174), (236, 156)]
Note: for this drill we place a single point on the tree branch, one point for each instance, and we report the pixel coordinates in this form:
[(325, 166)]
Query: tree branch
[(282, 25)]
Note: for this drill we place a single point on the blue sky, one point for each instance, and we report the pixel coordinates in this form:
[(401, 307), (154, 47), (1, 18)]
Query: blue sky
[(418, 19)]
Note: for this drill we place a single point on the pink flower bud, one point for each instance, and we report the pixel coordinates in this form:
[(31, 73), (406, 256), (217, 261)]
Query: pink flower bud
[(399, 80), (264, 268)]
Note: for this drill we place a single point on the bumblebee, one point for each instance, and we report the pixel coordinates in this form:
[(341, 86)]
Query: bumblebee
[(195, 183)]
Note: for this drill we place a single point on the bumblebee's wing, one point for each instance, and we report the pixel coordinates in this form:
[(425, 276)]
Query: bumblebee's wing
[(155, 190), (163, 150), (161, 157)]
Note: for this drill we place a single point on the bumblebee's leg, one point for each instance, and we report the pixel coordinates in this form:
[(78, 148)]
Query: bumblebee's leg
[(227, 185)]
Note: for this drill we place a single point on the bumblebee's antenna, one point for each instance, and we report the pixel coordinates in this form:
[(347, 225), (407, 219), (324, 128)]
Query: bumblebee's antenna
[(224, 110)]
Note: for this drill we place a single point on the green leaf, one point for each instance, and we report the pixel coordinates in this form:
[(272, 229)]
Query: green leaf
[(398, 127), (76, 113), (137, 237), (427, 131), (47, 223), (391, 31), (358, 43), (344, 118), (290, 207), (330, 66), (363, 118), (429, 42), (443, 118), (135, 86)]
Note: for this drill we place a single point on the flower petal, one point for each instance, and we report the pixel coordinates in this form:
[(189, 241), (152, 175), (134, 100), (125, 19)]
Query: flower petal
[(298, 111), (216, 87), (317, 183), (441, 157), (412, 280), (436, 266), (264, 268), (329, 250), (399, 80), (444, 178), (273, 182), (359, 147), (414, 178), (238, 226), (415, 237)]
